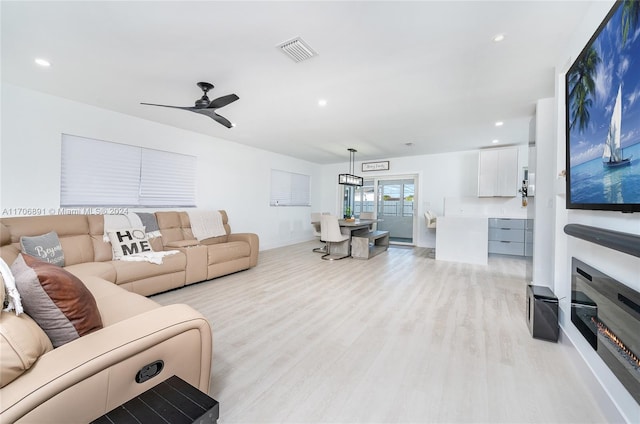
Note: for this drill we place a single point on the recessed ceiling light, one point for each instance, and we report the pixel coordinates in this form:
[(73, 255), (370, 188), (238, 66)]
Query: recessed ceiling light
[(496, 141), (409, 144), (233, 124), (322, 102), (498, 37), (499, 123), (42, 62)]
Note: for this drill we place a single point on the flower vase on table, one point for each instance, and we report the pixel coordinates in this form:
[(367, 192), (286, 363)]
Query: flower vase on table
[(347, 215)]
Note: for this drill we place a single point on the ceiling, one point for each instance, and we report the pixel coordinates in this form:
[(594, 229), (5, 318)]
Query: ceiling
[(399, 78)]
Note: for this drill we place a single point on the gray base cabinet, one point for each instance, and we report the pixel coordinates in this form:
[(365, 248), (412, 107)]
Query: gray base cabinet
[(511, 236)]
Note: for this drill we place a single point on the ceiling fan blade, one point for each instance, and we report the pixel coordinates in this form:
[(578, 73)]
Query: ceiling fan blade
[(211, 114), (173, 107), (222, 120), (222, 101)]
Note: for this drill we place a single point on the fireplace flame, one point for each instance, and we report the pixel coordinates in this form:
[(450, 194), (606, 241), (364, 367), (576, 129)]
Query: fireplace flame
[(610, 335)]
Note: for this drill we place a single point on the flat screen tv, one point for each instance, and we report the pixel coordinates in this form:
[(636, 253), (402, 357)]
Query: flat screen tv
[(603, 116)]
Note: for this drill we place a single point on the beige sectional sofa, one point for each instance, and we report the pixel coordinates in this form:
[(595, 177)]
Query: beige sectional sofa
[(215, 256), (87, 254), (84, 378)]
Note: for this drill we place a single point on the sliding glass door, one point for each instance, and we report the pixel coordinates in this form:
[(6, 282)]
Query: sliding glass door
[(365, 198), (392, 200)]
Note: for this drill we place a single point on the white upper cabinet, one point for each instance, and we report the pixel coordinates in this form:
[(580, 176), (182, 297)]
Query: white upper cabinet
[(498, 172)]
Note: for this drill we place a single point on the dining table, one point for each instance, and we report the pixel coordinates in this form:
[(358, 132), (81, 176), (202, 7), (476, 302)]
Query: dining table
[(348, 227)]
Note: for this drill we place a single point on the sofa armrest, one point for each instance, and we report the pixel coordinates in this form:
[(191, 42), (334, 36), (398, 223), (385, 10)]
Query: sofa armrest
[(254, 244), (181, 243), (104, 364), (196, 269)]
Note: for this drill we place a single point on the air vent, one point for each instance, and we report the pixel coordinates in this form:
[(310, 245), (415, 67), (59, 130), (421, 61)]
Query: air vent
[(297, 49)]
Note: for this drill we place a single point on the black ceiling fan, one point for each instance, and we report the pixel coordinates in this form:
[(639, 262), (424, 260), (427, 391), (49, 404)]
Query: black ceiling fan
[(205, 106)]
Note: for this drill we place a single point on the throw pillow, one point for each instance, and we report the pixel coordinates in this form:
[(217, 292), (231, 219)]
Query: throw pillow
[(45, 247), (128, 241), (56, 299), (10, 294), (3, 292)]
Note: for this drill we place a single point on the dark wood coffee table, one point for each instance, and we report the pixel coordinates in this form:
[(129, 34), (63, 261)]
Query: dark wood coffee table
[(172, 401)]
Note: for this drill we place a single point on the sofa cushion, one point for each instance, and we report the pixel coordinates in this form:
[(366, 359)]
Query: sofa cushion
[(128, 241), (116, 304), (46, 247), (77, 249), (127, 271), (101, 249), (229, 251), (177, 226), (215, 240), (182, 243), (5, 235), (56, 299), (22, 342), (72, 230), (104, 270)]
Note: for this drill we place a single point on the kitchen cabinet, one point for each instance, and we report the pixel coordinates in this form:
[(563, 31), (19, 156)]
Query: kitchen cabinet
[(528, 238), (510, 236), (498, 172)]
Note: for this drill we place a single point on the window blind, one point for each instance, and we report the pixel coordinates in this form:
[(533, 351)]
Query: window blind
[(290, 189), (167, 179), (101, 173)]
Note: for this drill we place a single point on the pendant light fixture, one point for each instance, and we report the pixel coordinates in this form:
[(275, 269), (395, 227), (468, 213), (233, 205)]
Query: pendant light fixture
[(350, 179)]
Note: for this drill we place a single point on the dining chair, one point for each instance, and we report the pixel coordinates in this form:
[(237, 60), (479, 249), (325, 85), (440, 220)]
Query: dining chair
[(368, 215), (315, 222), (331, 235), (430, 219)]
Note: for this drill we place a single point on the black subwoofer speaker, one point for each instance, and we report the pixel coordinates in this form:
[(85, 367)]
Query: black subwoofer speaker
[(542, 313)]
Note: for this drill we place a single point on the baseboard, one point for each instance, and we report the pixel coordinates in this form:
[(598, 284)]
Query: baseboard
[(291, 242), (604, 401)]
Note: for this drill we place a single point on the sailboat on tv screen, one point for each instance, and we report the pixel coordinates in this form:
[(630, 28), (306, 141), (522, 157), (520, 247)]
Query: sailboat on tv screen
[(612, 156)]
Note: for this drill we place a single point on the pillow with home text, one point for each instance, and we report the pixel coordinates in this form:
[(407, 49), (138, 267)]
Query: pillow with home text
[(128, 241)]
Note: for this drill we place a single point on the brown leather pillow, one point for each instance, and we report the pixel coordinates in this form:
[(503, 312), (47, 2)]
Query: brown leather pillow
[(57, 300)]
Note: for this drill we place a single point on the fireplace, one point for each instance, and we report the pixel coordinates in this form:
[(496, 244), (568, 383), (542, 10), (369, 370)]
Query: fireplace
[(607, 314)]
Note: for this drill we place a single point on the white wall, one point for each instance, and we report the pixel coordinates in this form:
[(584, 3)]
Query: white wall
[(543, 202), (620, 266), (448, 176), (230, 176)]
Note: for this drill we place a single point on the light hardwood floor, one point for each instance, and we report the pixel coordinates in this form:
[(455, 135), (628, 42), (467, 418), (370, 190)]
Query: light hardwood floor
[(398, 338)]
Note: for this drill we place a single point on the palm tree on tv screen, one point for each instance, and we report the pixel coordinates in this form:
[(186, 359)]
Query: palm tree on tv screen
[(582, 88), (630, 16), (582, 78)]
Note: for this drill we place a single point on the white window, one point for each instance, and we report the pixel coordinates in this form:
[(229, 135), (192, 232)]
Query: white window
[(100, 173), (290, 189)]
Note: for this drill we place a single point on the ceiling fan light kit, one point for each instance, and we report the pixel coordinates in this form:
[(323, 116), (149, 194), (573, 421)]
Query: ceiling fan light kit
[(207, 107)]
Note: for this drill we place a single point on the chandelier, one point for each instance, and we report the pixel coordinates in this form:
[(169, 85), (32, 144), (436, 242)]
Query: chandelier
[(350, 179)]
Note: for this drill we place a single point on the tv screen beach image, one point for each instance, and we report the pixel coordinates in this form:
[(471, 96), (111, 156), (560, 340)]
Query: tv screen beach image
[(603, 114)]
